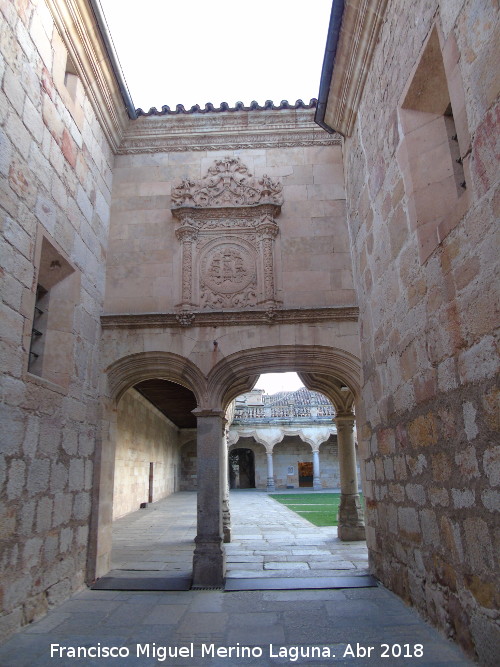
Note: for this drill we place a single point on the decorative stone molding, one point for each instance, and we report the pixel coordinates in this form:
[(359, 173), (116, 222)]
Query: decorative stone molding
[(339, 394), (227, 234), (227, 183), (185, 319), (301, 406), (80, 33), (224, 106), (129, 371), (269, 437), (230, 318), (235, 131), (316, 359), (361, 23)]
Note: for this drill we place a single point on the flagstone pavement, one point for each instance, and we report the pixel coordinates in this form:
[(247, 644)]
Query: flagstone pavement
[(212, 628)]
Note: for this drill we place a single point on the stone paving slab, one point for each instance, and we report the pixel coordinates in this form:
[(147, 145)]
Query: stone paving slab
[(287, 621), (298, 583), (265, 533), (274, 621)]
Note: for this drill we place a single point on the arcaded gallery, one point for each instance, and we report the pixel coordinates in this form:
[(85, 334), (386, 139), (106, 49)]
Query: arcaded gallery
[(156, 263)]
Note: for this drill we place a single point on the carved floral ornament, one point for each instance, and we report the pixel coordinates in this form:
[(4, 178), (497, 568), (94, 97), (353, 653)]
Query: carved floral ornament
[(227, 232), (228, 183)]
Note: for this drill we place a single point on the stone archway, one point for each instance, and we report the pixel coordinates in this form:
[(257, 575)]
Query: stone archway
[(331, 369), (122, 375)]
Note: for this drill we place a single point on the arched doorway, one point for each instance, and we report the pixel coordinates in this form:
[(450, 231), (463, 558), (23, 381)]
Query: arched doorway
[(333, 371), (170, 386), (241, 469)]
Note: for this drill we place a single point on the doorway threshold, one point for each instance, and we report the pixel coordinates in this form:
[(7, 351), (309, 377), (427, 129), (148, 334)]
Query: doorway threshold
[(142, 580), (298, 583), (155, 580)]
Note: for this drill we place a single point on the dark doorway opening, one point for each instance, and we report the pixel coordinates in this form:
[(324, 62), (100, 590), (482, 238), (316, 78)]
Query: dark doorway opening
[(305, 473), (241, 469)]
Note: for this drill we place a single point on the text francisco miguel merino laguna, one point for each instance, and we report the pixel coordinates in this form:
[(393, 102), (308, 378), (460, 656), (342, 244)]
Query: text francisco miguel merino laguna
[(162, 653)]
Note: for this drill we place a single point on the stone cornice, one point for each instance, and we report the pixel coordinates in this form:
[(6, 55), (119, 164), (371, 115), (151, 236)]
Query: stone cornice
[(229, 318), (80, 33), (361, 23), (225, 131)]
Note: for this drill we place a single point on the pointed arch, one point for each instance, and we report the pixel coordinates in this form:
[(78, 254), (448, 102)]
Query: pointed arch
[(231, 374)]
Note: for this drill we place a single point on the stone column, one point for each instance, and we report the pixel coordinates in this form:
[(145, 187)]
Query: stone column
[(209, 564), (316, 472), (350, 518), (270, 472), (267, 232)]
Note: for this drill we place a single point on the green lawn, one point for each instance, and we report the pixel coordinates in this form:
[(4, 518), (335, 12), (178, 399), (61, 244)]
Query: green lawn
[(318, 508)]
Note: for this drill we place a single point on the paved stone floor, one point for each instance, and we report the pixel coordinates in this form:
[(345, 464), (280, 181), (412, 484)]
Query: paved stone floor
[(262, 627), (268, 540)]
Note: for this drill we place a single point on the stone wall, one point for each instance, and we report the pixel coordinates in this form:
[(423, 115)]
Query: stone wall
[(145, 436), (428, 307), (329, 464), (189, 467), (55, 166), (288, 453), (312, 260)]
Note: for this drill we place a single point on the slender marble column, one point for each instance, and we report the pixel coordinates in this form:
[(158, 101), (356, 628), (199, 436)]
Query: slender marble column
[(209, 564), (270, 472), (351, 519), (316, 471)]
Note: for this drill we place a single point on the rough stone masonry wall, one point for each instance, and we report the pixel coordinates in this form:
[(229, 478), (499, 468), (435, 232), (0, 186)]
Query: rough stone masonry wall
[(430, 431), (144, 436), (56, 176)]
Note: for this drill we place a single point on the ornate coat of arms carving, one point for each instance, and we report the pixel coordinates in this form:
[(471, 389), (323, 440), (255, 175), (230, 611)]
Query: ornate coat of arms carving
[(227, 231)]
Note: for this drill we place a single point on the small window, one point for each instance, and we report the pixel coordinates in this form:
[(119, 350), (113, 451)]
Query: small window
[(51, 342), (38, 330), (431, 156), (71, 77)]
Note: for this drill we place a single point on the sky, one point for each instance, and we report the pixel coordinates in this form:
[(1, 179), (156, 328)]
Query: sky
[(197, 51), (275, 382)]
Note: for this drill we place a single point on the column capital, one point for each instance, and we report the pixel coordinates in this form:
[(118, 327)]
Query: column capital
[(187, 233), (268, 229), (209, 412), (345, 416), (345, 420)]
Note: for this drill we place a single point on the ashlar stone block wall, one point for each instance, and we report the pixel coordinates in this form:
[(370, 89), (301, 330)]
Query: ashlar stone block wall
[(312, 258), (429, 430), (145, 436), (55, 169)]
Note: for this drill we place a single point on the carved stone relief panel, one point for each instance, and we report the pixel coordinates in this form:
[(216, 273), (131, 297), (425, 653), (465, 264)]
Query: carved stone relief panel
[(227, 232)]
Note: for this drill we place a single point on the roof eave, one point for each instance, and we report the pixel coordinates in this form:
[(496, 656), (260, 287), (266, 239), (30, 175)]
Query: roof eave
[(352, 37)]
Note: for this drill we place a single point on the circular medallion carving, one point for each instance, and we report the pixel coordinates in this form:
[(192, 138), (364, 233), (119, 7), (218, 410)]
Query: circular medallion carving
[(228, 268)]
